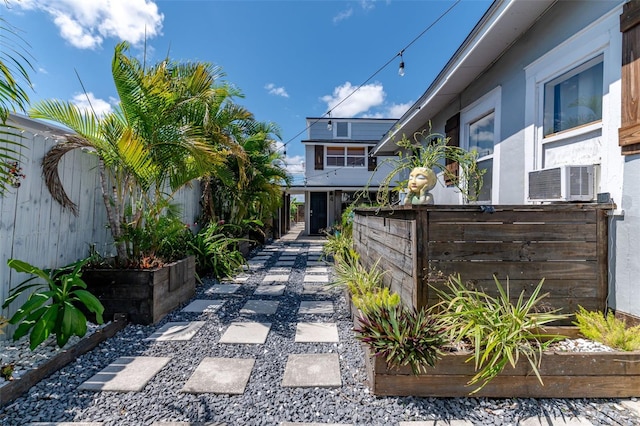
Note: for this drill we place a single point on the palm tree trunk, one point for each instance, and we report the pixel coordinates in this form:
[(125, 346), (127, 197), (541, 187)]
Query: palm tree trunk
[(112, 217)]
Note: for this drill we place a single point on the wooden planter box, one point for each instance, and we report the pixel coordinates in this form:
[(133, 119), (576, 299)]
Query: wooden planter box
[(145, 295), (565, 375)]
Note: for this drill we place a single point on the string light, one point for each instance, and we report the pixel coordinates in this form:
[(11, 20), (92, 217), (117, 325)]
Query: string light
[(400, 72), (329, 125)]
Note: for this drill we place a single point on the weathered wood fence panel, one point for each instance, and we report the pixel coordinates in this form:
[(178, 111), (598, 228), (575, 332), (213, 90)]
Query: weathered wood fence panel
[(564, 244)]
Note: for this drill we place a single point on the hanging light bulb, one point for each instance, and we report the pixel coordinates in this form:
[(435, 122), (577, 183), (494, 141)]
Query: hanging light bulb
[(401, 68), (329, 125)]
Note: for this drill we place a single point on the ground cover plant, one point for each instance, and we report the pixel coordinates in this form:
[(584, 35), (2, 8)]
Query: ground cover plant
[(608, 329)]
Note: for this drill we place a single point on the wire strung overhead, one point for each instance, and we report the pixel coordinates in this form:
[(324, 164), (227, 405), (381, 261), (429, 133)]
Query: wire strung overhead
[(401, 71)]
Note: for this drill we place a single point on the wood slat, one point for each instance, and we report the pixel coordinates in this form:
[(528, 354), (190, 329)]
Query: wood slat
[(518, 270), (556, 288), (514, 216), (511, 232), (521, 251)]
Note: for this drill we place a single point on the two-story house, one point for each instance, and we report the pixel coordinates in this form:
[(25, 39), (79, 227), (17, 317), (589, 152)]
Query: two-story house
[(338, 166)]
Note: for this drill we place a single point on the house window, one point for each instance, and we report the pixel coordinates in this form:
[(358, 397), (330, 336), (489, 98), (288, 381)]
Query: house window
[(481, 139), (480, 125), (574, 98), (339, 156), (342, 129)]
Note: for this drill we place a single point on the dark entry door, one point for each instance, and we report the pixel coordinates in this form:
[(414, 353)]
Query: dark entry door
[(318, 212)]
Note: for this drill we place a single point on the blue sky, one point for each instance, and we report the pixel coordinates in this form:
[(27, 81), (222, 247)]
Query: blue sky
[(291, 59)]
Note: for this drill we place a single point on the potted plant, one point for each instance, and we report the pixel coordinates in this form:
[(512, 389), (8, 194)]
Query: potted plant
[(427, 155)]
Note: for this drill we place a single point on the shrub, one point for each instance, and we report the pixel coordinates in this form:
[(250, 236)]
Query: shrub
[(382, 298), (402, 336), (216, 252), (608, 330), (55, 305), (498, 331)]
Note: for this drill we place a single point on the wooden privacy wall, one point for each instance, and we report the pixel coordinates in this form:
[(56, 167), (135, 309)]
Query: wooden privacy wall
[(564, 244)]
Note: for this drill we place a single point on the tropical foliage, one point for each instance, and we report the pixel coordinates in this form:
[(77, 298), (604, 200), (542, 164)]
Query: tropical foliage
[(175, 123), (432, 150), (14, 83), (55, 305)]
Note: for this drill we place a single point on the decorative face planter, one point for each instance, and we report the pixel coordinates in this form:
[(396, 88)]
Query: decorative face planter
[(421, 181)]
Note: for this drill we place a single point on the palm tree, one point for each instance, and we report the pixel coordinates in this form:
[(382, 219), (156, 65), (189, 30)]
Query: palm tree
[(14, 78), (152, 145)]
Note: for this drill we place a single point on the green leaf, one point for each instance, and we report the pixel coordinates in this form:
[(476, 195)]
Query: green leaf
[(92, 303), (34, 302), (43, 327), (21, 266)]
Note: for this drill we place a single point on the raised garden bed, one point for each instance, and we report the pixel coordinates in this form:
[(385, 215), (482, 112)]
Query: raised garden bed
[(565, 375)]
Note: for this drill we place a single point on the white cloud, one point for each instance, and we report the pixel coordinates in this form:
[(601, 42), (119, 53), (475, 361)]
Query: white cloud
[(367, 4), (278, 91), (345, 14), (398, 110), (85, 24), (88, 102), (295, 164), (347, 102)]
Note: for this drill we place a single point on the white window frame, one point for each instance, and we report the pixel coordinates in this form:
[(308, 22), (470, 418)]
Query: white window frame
[(335, 130), (598, 39), (490, 102), (345, 149)]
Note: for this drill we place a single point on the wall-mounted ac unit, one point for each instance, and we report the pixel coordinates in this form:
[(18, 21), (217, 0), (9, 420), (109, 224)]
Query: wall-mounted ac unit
[(563, 183)]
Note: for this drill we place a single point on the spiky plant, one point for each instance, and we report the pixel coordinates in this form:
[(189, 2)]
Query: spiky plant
[(403, 336)]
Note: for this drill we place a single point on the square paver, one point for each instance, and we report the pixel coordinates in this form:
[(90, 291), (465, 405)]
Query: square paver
[(223, 289), (316, 307), (220, 376), (316, 263), (270, 290), (177, 331), (292, 250), (312, 332), (126, 374), (246, 333), (316, 278), (315, 289), (281, 263), (203, 305), (280, 270), (260, 307), (272, 278), (312, 370), (317, 270), (289, 257), (555, 420)]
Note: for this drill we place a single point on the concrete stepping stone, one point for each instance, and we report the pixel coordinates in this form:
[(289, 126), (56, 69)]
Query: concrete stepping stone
[(223, 289), (316, 307), (270, 290), (316, 263), (188, 424), (438, 423), (315, 289), (317, 270), (288, 263), (203, 305), (556, 421), (312, 370), (260, 307), (279, 270), (65, 424), (220, 376), (126, 374), (178, 331), (272, 278), (314, 424), (291, 249), (316, 279), (246, 333), (316, 332)]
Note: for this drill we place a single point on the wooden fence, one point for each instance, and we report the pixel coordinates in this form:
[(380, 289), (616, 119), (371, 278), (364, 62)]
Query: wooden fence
[(419, 246)]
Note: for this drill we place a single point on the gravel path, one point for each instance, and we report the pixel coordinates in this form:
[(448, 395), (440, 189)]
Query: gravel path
[(265, 402)]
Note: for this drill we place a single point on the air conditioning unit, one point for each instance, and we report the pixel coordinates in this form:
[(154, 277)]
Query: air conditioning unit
[(563, 183)]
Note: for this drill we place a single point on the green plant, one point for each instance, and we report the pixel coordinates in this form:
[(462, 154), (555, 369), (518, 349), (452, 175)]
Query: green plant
[(372, 300), (402, 336), (216, 252), (356, 278), (432, 151), (608, 330), (498, 331), (55, 304)]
